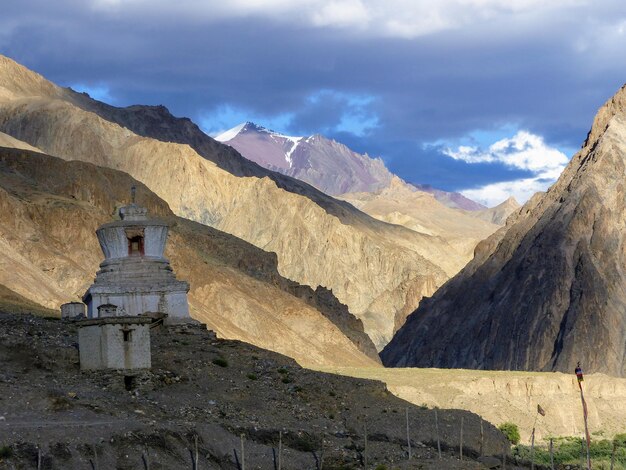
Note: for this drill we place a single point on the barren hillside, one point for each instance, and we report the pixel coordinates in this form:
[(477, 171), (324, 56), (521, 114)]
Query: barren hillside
[(380, 271), (50, 210), (551, 289)]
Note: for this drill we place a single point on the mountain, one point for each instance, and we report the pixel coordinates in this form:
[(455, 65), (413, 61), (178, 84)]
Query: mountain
[(368, 185), (498, 214), (326, 164), (380, 271), (50, 209), (550, 289), (401, 203), (451, 199)]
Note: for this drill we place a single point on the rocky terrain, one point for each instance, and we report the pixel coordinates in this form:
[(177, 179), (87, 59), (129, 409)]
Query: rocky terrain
[(451, 199), (400, 203), (50, 209), (237, 401), (380, 271), (498, 214), (324, 163), (547, 291), (507, 396), (366, 183)]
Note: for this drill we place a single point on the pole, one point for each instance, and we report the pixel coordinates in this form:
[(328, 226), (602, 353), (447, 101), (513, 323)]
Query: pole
[(587, 438), (195, 444), (280, 450), (437, 431), (365, 448), (243, 455), (461, 441), (145, 459), (38, 458), (532, 450), (408, 435), (482, 437), (95, 458)]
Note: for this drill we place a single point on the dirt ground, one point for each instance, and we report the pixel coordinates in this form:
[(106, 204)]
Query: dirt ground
[(240, 403)]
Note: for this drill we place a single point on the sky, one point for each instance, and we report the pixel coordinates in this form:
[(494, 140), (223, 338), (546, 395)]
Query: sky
[(487, 97)]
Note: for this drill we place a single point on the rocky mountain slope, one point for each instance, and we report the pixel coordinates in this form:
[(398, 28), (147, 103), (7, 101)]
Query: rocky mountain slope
[(498, 214), (451, 199), (324, 163), (507, 396), (50, 209), (400, 203), (380, 271), (366, 183), (550, 290), (226, 395)]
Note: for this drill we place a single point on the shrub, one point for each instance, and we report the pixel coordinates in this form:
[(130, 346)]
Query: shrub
[(511, 431), (252, 376), (5, 452), (220, 361)]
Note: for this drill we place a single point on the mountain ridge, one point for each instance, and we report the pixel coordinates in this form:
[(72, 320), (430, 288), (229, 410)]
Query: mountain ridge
[(319, 241), (548, 291), (51, 208)]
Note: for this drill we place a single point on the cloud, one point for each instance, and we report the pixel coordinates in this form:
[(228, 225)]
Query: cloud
[(523, 151), (325, 112), (392, 18), (226, 117)]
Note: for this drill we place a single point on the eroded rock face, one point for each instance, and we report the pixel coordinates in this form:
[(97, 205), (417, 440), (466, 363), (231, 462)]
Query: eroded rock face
[(550, 290), (401, 203), (376, 269), (50, 210)]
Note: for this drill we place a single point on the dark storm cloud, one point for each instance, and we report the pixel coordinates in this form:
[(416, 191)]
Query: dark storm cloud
[(544, 72)]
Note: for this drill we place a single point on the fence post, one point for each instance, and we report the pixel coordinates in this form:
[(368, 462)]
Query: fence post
[(532, 450), (408, 434), (461, 441), (365, 448), (38, 458), (243, 454), (95, 458), (145, 459), (280, 450), (437, 431), (482, 438)]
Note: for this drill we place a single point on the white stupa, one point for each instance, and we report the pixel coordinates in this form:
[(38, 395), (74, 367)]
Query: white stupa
[(134, 275)]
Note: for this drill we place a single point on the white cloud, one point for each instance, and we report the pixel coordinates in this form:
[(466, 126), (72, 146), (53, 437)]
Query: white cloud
[(493, 194), (523, 151), (395, 18)]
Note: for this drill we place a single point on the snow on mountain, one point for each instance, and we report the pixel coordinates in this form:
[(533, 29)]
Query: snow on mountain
[(324, 163)]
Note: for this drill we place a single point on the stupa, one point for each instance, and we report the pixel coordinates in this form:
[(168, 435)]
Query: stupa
[(135, 276)]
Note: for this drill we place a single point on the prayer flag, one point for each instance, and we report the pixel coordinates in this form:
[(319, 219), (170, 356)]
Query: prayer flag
[(540, 410)]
